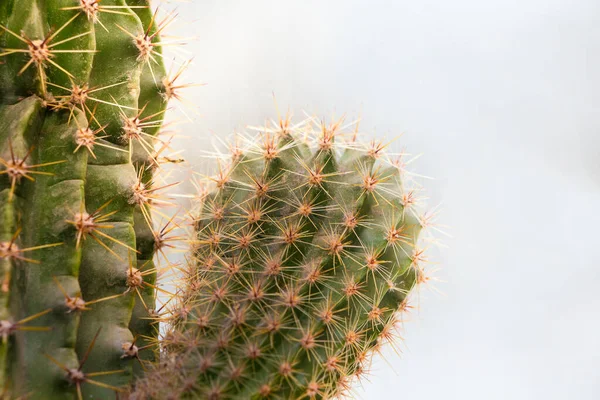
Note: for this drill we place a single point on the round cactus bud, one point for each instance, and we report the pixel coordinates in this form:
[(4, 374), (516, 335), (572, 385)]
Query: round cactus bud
[(305, 253)]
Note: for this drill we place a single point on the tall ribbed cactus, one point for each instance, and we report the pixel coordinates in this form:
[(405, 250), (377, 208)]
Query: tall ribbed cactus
[(82, 96), (306, 248)]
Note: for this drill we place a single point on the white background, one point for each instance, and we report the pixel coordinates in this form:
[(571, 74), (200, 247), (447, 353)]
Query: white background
[(502, 98)]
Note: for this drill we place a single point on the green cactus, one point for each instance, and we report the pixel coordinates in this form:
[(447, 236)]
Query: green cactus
[(305, 251), (83, 90), (305, 247)]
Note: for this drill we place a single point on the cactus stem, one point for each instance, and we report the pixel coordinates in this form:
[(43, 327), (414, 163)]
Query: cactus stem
[(91, 225)]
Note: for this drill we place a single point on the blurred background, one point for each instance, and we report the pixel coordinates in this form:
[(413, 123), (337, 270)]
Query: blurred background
[(502, 99)]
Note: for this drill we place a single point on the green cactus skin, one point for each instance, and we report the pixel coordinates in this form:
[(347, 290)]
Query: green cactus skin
[(83, 91), (306, 250)]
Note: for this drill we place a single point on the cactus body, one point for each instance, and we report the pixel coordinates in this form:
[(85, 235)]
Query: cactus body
[(306, 250), (80, 104)]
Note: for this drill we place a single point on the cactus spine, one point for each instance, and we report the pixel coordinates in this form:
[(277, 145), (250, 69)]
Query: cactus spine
[(306, 251), (82, 96)]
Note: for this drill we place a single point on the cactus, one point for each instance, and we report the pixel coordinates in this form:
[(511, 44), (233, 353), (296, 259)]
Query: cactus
[(82, 96), (306, 248)]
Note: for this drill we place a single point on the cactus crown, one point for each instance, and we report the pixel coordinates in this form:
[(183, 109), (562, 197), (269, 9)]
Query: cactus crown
[(305, 252)]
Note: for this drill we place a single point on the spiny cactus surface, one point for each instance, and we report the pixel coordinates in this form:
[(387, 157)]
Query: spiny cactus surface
[(306, 248), (83, 90)]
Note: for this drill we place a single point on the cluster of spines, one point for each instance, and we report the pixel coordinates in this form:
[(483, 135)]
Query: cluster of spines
[(306, 249), (78, 161)]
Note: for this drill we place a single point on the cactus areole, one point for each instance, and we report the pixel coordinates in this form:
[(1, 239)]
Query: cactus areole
[(82, 97)]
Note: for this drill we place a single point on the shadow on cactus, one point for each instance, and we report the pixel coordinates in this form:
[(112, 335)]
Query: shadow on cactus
[(305, 251)]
